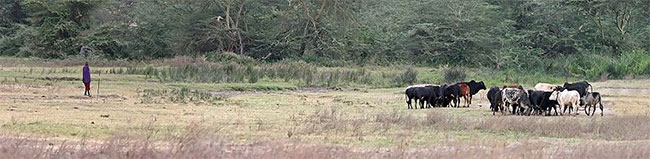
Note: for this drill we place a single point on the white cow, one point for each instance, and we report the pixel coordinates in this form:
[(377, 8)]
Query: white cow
[(567, 99), (545, 87)]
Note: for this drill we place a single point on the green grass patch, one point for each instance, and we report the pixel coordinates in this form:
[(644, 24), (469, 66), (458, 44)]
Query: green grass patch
[(262, 86)]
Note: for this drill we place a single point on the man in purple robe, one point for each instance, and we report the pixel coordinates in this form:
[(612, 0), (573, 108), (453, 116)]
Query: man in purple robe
[(86, 79)]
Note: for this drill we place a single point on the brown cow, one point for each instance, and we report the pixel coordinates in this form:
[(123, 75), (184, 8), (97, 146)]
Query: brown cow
[(465, 93), (513, 86)]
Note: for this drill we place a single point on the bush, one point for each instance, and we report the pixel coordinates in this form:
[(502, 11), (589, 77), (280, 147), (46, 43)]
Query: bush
[(253, 74), (632, 63), (227, 57), (454, 74), (410, 76)]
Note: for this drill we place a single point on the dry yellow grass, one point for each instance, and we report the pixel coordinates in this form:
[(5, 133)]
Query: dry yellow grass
[(49, 105)]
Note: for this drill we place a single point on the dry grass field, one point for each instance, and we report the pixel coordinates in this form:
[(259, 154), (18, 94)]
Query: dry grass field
[(44, 115)]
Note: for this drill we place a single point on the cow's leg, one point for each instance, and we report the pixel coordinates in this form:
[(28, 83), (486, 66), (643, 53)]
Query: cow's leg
[(424, 104), (551, 109), (592, 107), (601, 108), (408, 102), (466, 101), (415, 103), (427, 103), (470, 99), (492, 108), (594, 111)]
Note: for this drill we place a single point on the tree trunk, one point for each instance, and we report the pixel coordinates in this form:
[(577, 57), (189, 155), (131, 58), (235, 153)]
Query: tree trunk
[(241, 43), (305, 40)]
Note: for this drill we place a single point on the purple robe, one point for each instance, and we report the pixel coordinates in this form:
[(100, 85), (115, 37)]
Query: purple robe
[(86, 74)]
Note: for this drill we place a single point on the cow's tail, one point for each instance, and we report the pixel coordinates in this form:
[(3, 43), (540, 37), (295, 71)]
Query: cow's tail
[(406, 98), (591, 87)]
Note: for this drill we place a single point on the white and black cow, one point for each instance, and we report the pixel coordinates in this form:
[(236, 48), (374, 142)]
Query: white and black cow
[(591, 100), (511, 97), (566, 99)]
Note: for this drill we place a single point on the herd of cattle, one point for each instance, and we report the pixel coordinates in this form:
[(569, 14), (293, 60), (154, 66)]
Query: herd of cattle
[(543, 100)]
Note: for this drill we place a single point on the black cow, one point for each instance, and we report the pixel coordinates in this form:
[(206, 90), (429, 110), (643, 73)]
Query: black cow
[(536, 99), (433, 96), (540, 101), (474, 87), (526, 107), (442, 100), (581, 87), (410, 95), (450, 93), (421, 95), (428, 94), (494, 96)]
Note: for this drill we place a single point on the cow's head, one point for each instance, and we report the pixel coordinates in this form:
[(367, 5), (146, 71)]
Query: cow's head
[(512, 94), (558, 88), (481, 85), (554, 95)]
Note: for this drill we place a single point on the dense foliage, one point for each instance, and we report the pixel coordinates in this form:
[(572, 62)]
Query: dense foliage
[(471, 33)]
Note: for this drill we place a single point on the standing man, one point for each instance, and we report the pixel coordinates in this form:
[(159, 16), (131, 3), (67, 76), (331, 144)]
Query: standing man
[(86, 79)]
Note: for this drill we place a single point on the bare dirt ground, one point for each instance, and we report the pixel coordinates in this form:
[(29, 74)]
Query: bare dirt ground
[(344, 123)]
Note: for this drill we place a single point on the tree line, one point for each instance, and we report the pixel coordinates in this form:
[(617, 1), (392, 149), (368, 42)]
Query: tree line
[(472, 33)]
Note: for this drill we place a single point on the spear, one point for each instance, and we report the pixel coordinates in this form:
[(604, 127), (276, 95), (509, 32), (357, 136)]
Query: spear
[(99, 81)]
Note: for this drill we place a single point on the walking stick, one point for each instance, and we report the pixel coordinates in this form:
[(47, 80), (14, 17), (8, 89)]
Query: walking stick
[(99, 81)]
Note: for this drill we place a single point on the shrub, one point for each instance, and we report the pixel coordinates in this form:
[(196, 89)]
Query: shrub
[(410, 76), (253, 74), (454, 74), (631, 63), (227, 57)]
